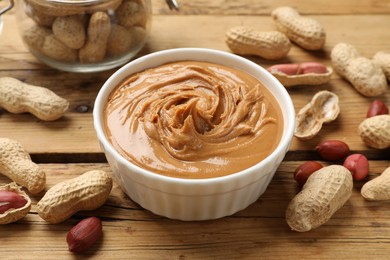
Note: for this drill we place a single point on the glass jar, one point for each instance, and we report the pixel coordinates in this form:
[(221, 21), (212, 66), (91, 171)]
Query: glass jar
[(84, 35), (3, 9)]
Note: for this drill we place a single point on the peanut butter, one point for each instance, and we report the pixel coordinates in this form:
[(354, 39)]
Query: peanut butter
[(193, 120)]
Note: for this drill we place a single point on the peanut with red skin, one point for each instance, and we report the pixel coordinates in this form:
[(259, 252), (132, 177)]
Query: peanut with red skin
[(307, 73), (332, 150), (84, 234), (14, 203), (298, 69), (357, 164), (303, 172), (313, 67), (377, 107), (10, 200)]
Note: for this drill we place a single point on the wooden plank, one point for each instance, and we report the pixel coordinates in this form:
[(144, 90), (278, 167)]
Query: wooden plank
[(265, 7), (360, 229), (81, 89)]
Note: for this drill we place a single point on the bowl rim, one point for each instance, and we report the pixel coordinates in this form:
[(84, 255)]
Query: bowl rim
[(119, 75)]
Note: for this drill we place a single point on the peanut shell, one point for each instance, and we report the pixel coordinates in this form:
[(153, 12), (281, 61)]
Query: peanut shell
[(131, 13), (119, 41), (304, 31), (99, 28), (57, 50), (323, 108), (377, 188), (35, 37), (324, 192), (383, 60), (365, 75), (88, 191), (70, 30), (271, 45), (13, 215), (16, 164), (303, 79), (375, 131), (19, 97)]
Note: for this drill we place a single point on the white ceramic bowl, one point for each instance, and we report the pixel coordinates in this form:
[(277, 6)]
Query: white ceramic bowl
[(195, 199)]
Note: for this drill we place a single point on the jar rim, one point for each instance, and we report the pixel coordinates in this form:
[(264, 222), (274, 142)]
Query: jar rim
[(72, 2)]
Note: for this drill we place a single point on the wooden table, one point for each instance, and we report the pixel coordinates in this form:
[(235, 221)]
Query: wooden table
[(68, 147)]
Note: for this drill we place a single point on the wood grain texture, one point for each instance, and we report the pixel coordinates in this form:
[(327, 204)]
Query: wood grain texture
[(68, 147), (81, 89), (258, 231), (265, 7)]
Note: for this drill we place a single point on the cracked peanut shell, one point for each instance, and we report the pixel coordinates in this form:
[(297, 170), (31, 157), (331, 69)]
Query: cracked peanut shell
[(13, 215), (323, 108)]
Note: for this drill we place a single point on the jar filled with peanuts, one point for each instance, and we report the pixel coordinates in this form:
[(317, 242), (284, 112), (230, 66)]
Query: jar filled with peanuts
[(84, 35)]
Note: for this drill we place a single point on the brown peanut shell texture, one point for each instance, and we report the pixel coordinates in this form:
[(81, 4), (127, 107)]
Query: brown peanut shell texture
[(57, 50), (323, 108), (35, 37), (325, 192), (304, 31), (19, 97), (16, 164), (88, 191), (13, 215), (383, 60), (119, 41), (70, 30), (40, 18), (365, 75), (303, 79), (130, 13), (122, 39), (375, 131), (41, 40), (377, 188), (99, 28), (271, 45)]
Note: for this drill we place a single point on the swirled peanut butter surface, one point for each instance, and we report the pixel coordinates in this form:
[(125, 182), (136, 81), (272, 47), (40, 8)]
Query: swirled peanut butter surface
[(193, 120)]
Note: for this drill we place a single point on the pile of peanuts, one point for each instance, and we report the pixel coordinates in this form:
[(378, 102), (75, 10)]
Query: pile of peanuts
[(324, 189), (85, 34), (88, 191)]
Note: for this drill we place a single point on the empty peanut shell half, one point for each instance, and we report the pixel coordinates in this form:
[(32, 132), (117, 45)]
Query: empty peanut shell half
[(309, 73), (323, 108)]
